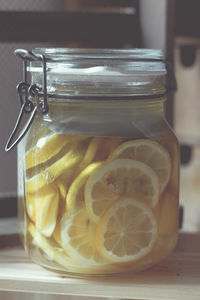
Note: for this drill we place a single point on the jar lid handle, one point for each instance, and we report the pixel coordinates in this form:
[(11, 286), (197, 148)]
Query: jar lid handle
[(10, 143), (24, 91)]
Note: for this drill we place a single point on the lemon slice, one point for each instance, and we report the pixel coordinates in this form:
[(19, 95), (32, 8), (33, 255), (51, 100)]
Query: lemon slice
[(63, 182), (62, 197), (149, 152), (90, 153), (75, 195), (42, 207), (77, 233), (57, 254), (127, 231), (62, 189), (56, 234), (115, 179), (30, 206), (45, 148), (50, 247), (49, 174)]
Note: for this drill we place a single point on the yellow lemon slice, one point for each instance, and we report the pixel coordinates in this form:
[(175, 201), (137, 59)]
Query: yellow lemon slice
[(49, 174), (63, 186), (57, 254), (127, 231), (75, 195), (62, 189), (64, 181), (42, 207), (77, 233), (149, 152), (30, 206), (56, 234), (50, 247), (90, 153), (115, 179), (45, 148)]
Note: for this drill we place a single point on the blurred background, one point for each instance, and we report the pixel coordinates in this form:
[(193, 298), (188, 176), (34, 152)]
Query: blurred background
[(173, 25)]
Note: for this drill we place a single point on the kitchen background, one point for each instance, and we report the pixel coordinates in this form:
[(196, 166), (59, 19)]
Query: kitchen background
[(173, 25)]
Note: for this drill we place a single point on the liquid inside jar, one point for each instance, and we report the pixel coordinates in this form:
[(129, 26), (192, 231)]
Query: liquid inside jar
[(100, 205)]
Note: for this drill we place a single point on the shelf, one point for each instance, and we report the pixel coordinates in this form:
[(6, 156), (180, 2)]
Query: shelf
[(178, 277), (63, 26)]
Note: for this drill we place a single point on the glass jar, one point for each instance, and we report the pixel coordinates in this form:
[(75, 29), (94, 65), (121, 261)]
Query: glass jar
[(99, 166)]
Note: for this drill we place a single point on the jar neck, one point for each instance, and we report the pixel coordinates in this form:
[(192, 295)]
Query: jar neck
[(154, 107), (134, 85), (111, 118)]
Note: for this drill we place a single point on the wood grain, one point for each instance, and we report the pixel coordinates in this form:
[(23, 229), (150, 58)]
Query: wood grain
[(178, 277)]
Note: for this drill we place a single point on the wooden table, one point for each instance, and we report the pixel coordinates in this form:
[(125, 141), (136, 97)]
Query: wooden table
[(178, 277)]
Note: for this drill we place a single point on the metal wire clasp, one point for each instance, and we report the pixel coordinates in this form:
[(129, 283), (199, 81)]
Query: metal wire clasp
[(26, 94)]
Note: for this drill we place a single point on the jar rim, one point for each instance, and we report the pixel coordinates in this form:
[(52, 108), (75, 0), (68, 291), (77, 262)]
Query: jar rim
[(135, 61), (133, 54), (101, 71)]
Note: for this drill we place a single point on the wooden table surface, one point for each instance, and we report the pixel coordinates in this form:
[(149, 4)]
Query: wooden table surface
[(178, 277)]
